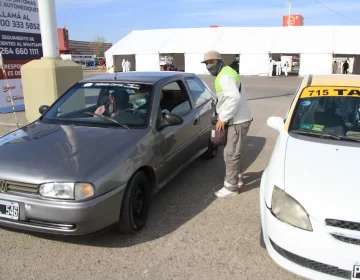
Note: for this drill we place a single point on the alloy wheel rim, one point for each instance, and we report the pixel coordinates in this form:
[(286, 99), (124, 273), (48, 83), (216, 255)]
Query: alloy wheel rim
[(138, 203)]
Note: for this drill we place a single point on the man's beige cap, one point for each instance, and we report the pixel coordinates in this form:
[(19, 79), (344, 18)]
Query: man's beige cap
[(210, 55)]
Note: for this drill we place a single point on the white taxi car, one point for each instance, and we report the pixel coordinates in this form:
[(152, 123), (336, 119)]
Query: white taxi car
[(310, 190)]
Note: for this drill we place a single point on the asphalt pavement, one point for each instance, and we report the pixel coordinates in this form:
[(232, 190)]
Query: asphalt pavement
[(190, 234)]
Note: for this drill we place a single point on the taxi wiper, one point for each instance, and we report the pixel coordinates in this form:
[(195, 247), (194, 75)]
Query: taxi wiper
[(108, 119), (326, 135), (346, 138), (322, 134)]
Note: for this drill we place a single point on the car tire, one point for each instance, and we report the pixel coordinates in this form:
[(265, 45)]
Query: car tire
[(135, 205), (262, 241), (211, 152)]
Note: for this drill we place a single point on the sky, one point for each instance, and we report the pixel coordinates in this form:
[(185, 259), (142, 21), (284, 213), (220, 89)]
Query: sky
[(114, 19)]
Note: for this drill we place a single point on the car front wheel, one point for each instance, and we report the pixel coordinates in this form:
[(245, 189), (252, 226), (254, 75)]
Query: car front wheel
[(135, 204)]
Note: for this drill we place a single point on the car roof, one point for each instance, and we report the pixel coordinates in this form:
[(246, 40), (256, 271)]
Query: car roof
[(138, 76), (333, 80)]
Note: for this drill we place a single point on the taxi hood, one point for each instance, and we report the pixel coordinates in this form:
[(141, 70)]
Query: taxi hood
[(322, 175)]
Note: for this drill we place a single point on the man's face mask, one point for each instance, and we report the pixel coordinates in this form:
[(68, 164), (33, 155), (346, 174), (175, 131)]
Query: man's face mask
[(214, 68), (211, 68)]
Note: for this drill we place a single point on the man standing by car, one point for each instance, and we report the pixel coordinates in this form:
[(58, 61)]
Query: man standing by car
[(233, 110)]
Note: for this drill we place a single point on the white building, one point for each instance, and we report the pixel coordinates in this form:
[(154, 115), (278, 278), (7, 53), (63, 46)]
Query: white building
[(315, 46)]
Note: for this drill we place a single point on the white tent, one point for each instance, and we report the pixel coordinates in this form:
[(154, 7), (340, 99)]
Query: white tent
[(315, 45)]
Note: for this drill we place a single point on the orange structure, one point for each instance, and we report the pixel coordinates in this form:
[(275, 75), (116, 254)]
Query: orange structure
[(63, 38), (293, 20)]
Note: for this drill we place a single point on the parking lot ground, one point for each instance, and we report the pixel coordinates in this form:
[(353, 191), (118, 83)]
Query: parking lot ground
[(190, 234)]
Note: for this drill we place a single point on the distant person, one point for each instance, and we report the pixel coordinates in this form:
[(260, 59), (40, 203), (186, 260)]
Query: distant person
[(278, 67), (335, 66), (271, 67), (234, 112), (345, 67), (127, 66), (123, 65), (286, 66)]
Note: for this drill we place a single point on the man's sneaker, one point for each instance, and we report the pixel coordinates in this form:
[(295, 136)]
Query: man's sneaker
[(240, 181), (224, 192)]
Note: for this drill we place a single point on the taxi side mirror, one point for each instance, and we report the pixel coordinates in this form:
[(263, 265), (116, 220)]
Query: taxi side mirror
[(276, 123)]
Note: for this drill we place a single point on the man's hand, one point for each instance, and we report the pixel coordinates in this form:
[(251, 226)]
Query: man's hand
[(220, 125)]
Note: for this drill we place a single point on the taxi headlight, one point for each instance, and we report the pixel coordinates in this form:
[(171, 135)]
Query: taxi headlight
[(288, 210), (67, 191)]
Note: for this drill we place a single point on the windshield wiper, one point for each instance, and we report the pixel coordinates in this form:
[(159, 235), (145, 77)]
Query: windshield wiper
[(108, 119), (326, 135), (322, 134)]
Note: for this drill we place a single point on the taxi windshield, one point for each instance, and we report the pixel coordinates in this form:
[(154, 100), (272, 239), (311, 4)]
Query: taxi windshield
[(328, 110), (103, 104)]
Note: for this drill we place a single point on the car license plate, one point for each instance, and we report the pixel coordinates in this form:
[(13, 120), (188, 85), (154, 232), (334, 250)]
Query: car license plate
[(9, 210), (356, 272)]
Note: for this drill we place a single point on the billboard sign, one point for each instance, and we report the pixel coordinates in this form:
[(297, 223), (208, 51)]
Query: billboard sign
[(293, 20), (20, 42)]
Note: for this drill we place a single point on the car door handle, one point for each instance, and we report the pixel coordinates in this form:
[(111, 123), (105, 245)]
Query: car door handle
[(196, 121)]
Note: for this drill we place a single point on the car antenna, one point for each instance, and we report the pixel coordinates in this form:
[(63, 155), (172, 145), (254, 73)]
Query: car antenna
[(115, 75)]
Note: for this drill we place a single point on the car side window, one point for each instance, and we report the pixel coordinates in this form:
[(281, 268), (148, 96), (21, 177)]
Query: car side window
[(174, 99), (199, 91)]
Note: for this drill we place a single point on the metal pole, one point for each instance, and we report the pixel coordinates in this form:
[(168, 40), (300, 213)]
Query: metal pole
[(48, 28), (289, 6)]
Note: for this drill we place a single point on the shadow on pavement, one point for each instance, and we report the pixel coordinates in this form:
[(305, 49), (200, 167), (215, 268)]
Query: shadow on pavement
[(252, 180), (181, 200)]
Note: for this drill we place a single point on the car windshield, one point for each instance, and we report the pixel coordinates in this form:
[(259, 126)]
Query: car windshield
[(334, 111), (103, 104)]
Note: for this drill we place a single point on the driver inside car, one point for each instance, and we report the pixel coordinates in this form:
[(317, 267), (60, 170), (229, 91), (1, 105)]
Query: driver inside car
[(118, 100)]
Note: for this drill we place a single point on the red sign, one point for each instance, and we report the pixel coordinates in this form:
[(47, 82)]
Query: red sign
[(12, 69), (293, 20)]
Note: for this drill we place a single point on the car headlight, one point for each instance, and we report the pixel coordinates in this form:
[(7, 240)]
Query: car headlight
[(67, 191), (288, 210)]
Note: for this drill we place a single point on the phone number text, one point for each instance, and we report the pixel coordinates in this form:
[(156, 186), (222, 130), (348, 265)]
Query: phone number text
[(19, 24), (19, 51)]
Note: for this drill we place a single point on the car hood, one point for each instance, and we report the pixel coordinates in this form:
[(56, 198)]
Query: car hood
[(324, 178), (44, 152)]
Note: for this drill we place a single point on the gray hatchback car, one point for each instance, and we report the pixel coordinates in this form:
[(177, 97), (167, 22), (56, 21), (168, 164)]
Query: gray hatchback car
[(95, 156)]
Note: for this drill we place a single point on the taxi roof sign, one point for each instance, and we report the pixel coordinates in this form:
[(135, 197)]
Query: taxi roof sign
[(312, 92)]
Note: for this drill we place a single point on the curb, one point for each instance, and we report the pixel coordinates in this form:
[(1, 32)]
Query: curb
[(12, 124), (94, 70)]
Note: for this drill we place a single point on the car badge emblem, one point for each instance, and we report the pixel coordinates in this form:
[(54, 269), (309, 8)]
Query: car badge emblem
[(3, 186)]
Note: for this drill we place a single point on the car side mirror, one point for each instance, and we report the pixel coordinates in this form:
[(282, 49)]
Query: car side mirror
[(276, 123), (43, 109), (170, 120)]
